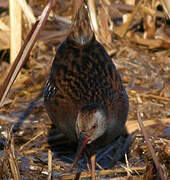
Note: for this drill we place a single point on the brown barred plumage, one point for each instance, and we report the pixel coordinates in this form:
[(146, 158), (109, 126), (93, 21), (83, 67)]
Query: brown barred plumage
[(84, 95)]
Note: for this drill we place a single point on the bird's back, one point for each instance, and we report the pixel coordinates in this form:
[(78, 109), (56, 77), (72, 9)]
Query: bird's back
[(82, 74)]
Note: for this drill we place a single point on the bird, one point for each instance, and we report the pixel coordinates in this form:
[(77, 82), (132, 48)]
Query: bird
[(84, 95)]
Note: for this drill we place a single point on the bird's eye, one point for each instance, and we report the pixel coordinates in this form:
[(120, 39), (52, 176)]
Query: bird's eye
[(94, 126)]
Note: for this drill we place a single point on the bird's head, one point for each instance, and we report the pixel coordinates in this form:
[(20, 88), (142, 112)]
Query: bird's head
[(91, 122)]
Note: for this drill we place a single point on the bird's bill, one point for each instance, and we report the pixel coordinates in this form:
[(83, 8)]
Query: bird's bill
[(83, 140)]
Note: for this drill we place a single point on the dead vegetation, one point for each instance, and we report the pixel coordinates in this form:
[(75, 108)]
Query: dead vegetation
[(137, 36)]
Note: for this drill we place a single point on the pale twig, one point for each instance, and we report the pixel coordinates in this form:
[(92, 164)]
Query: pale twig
[(103, 173), (31, 140), (49, 164), (63, 19), (129, 171), (158, 97), (12, 157)]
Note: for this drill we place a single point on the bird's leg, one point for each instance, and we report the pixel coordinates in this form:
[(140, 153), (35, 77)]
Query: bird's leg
[(83, 140), (93, 166), (86, 157)]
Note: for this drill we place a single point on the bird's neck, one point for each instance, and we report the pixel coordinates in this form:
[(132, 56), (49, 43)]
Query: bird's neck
[(81, 30)]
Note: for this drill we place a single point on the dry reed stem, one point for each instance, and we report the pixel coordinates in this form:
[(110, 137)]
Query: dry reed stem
[(15, 29), (148, 11), (166, 6), (93, 16), (151, 43), (133, 125), (151, 149), (27, 11), (3, 26), (24, 51), (123, 29)]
